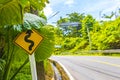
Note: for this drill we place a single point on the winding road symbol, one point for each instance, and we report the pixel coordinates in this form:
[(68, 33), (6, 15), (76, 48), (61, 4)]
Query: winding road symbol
[(26, 38), (29, 40)]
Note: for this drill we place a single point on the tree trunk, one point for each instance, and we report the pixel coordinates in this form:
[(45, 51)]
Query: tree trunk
[(40, 70)]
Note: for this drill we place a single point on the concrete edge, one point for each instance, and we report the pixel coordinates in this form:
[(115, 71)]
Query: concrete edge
[(64, 68), (67, 72)]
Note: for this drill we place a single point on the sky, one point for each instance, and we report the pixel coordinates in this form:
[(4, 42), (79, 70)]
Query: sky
[(92, 7)]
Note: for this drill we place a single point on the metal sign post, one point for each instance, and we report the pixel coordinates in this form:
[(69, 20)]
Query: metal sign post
[(33, 67)]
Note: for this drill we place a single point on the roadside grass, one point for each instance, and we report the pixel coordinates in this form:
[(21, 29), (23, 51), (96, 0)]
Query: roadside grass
[(49, 73), (115, 55), (25, 72), (87, 54), (98, 54)]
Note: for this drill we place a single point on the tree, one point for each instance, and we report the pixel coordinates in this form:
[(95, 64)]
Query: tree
[(95, 35), (71, 24), (62, 20), (76, 17), (109, 16)]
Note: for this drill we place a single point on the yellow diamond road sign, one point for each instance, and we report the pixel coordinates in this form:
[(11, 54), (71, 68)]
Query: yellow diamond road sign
[(29, 40)]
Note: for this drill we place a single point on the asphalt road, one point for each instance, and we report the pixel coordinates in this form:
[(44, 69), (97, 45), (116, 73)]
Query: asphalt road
[(90, 67)]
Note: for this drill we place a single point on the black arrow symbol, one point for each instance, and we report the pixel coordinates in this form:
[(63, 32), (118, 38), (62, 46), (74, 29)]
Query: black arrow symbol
[(26, 38)]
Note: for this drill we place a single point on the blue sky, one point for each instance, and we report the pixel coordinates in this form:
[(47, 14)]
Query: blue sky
[(93, 7)]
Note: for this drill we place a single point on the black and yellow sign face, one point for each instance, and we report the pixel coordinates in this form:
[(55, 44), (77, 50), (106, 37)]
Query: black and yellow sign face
[(29, 40)]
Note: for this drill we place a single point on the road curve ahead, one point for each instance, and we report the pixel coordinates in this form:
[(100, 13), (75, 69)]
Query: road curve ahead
[(91, 67)]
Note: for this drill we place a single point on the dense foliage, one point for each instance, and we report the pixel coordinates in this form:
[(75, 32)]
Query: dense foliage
[(93, 34), (17, 16)]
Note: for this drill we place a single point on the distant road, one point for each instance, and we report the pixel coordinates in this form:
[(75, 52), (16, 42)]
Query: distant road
[(90, 67)]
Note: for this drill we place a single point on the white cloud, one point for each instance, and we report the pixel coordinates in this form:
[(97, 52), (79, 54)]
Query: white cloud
[(97, 6), (106, 6), (114, 7), (56, 2), (69, 2), (48, 11)]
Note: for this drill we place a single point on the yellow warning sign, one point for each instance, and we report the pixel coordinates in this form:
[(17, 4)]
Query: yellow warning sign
[(29, 40)]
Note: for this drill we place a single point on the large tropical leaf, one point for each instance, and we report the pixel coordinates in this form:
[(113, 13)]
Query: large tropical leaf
[(46, 47), (30, 21), (38, 4), (10, 12), (33, 20), (4, 1)]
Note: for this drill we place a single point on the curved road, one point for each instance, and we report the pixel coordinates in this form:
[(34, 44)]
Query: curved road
[(90, 67)]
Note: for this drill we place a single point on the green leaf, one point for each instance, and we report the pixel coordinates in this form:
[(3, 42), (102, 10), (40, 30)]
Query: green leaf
[(46, 47), (2, 65), (4, 1), (30, 21), (24, 3), (11, 13), (38, 4), (34, 20)]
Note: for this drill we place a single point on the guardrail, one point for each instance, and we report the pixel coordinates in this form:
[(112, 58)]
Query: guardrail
[(100, 51)]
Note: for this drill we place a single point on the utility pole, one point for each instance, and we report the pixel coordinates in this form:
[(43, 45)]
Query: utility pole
[(90, 43)]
